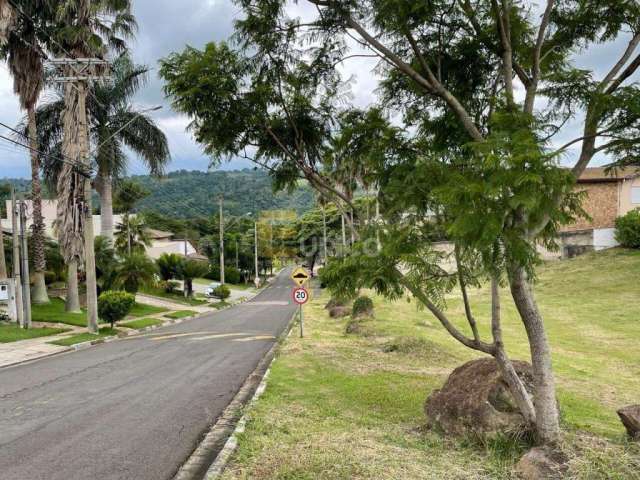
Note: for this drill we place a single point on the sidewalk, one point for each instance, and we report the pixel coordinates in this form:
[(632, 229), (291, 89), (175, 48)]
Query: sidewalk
[(168, 304)]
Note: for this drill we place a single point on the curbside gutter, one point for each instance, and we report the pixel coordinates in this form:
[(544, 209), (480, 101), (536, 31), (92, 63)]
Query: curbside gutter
[(214, 452)]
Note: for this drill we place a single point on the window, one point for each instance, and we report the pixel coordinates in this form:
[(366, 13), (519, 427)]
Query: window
[(635, 195)]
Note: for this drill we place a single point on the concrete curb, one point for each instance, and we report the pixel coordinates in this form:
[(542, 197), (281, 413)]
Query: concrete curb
[(212, 455)]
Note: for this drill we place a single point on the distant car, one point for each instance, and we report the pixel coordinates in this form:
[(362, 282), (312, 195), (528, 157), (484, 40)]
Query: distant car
[(209, 290)]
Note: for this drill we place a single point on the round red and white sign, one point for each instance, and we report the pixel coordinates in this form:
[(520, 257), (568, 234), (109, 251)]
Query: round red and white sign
[(300, 296)]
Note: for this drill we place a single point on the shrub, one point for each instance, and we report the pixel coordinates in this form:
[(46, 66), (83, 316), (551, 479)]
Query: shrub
[(169, 265), (628, 229), (213, 273), (362, 307), (222, 292), (114, 306), (50, 277), (171, 286), (232, 275)]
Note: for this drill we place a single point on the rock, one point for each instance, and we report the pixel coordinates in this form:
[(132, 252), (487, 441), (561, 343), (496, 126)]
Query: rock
[(630, 417), (339, 312), (542, 463), (335, 302), (357, 327), (476, 400)]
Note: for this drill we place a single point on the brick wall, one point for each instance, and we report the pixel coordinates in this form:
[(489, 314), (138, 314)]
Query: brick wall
[(601, 203)]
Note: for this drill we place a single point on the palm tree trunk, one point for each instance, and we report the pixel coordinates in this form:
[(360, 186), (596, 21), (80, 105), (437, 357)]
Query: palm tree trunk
[(73, 295), (39, 294), (106, 207)]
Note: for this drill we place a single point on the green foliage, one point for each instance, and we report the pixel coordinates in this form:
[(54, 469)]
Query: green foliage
[(50, 277), (189, 270), (628, 229), (114, 306), (244, 191), (222, 292), (106, 263), (128, 194), (362, 306), (169, 265), (135, 271), (131, 235), (231, 275)]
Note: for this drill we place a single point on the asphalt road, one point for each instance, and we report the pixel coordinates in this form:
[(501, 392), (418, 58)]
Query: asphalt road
[(135, 408)]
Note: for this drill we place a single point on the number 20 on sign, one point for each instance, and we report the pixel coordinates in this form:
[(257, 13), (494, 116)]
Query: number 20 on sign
[(300, 296)]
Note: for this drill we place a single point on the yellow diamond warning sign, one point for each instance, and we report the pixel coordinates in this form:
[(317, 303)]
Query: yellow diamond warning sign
[(300, 276)]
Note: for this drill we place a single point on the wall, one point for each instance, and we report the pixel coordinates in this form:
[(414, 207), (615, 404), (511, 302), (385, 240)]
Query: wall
[(625, 195), (601, 203)]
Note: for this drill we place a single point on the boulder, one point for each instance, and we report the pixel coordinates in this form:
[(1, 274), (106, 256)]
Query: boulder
[(476, 400), (339, 312), (630, 417), (542, 463)]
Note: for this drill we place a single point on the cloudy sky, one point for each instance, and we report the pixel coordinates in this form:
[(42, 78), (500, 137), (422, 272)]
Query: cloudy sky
[(166, 26)]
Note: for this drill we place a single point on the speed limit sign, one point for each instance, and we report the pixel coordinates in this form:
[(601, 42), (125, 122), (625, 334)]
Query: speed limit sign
[(300, 296)]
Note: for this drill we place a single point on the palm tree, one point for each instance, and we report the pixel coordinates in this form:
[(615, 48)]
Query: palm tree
[(24, 51), (189, 270), (132, 235), (113, 125), (135, 271)]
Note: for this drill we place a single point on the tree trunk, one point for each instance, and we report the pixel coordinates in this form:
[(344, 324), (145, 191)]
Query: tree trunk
[(105, 191), (546, 407), (39, 294), (72, 304)]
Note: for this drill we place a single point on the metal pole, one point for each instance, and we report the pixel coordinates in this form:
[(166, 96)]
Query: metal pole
[(26, 290), (301, 322), (221, 242), (16, 258), (237, 259)]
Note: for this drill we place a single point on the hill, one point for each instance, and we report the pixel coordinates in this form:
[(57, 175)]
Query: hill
[(185, 194)]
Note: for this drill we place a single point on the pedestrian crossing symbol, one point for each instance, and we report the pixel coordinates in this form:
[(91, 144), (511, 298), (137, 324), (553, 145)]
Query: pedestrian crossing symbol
[(300, 276)]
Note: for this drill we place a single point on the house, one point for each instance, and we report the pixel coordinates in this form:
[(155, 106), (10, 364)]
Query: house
[(608, 195), (161, 242)]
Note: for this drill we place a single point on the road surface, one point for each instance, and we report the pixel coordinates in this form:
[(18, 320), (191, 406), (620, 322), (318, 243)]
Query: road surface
[(135, 408)]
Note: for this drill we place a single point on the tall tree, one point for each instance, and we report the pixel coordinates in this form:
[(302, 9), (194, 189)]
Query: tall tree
[(449, 68), (24, 50), (85, 30)]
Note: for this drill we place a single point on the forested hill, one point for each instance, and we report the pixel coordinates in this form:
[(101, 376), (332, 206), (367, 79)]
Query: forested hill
[(185, 194)]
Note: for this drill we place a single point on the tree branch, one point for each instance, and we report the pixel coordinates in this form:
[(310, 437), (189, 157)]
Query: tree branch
[(631, 46), (537, 51), (465, 297)]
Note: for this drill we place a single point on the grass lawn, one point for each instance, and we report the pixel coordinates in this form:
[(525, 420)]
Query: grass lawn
[(53, 312), (13, 333), (142, 310), (219, 305), (180, 314), (341, 407), (174, 297), (142, 323), (86, 337)]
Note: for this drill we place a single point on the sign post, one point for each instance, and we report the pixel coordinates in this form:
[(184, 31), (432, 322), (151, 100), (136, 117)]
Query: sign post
[(301, 296)]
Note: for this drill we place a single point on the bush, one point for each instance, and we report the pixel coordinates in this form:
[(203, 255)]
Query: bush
[(213, 273), (232, 275), (628, 229), (222, 292), (50, 277), (362, 307), (171, 286), (114, 306)]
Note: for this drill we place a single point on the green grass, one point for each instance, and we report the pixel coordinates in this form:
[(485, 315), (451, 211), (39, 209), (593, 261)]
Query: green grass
[(180, 314), (86, 337), (13, 333), (219, 305), (53, 312), (175, 297), (142, 310), (340, 407), (142, 323)]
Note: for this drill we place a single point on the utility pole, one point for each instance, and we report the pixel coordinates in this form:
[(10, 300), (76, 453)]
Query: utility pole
[(237, 259), (255, 254), (221, 242), (16, 258), (128, 219), (79, 72), (26, 290)]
